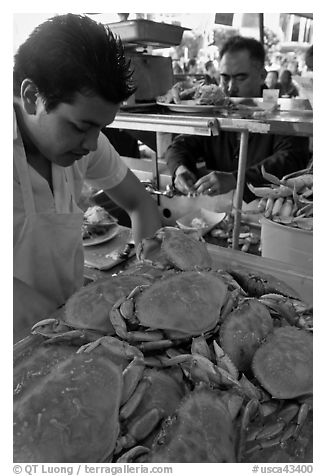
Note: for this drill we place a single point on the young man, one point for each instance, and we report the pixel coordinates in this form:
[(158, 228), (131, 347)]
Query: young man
[(242, 74), (70, 77)]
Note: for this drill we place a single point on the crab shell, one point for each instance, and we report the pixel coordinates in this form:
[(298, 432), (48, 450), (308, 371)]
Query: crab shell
[(284, 363), (89, 307), (183, 305), (243, 330), (172, 247), (66, 405), (202, 431)]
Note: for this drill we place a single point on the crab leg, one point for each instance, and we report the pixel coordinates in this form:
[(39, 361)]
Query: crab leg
[(224, 361), (268, 192), (270, 177), (199, 346), (121, 330), (113, 346), (131, 455), (301, 418), (200, 369), (250, 412), (291, 309), (250, 390), (130, 406), (141, 428), (132, 375)]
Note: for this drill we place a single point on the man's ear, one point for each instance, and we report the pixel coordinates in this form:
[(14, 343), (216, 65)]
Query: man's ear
[(263, 74), (29, 95)]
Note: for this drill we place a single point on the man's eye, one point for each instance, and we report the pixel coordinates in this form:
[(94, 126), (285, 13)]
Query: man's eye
[(242, 78), (79, 129)]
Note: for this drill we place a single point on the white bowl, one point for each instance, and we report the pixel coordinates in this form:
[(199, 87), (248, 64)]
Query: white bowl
[(200, 220)]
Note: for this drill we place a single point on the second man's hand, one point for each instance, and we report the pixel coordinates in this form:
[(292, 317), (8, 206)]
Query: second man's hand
[(215, 183)]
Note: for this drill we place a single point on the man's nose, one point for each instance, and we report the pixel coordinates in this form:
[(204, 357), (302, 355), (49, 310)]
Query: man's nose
[(90, 139), (232, 88)]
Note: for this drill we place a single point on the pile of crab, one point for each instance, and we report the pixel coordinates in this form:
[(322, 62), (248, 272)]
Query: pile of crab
[(172, 361), (289, 200)]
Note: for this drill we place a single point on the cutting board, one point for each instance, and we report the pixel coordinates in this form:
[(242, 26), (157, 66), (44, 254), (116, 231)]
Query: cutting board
[(105, 255)]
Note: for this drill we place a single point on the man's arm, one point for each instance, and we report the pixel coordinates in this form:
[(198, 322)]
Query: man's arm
[(185, 150), (132, 197)]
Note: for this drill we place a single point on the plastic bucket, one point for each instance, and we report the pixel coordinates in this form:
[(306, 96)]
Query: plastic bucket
[(287, 244)]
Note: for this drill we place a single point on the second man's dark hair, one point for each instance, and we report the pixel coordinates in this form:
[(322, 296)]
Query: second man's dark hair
[(239, 43)]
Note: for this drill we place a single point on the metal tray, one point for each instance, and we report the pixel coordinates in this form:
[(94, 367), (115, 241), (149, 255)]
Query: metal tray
[(147, 33)]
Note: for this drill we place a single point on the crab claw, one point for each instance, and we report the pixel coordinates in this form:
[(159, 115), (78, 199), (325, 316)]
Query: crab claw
[(50, 327), (200, 369), (114, 346)]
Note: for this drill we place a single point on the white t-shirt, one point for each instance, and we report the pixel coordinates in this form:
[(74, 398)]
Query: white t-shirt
[(102, 168)]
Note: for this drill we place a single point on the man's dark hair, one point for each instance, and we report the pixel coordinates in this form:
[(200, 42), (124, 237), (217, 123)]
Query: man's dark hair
[(239, 43), (70, 54)]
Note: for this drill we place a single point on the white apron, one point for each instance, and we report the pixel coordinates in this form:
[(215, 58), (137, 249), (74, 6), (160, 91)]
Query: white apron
[(48, 254)]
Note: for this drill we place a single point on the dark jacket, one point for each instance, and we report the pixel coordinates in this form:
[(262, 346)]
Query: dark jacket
[(280, 155)]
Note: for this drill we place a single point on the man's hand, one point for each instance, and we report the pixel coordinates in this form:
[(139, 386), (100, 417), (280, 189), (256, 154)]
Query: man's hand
[(184, 180), (215, 183)]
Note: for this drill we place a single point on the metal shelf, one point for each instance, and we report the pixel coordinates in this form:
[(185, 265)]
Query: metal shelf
[(283, 123)]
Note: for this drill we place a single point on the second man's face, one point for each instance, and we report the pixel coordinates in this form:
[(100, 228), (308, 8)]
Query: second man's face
[(240, 76)]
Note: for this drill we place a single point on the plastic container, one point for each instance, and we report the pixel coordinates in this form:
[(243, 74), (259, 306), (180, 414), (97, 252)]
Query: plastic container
[(287, 244), (200, 220)]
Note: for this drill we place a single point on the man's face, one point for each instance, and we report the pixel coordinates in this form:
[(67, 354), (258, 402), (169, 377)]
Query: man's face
[(240, 76), (70, 131)]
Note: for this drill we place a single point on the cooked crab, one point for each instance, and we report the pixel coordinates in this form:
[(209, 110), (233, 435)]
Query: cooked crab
[(101, 391), (171, 247), (85, 315), (243, 331), (284, 363), (201, 431), (180, 306), (61, 396)]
